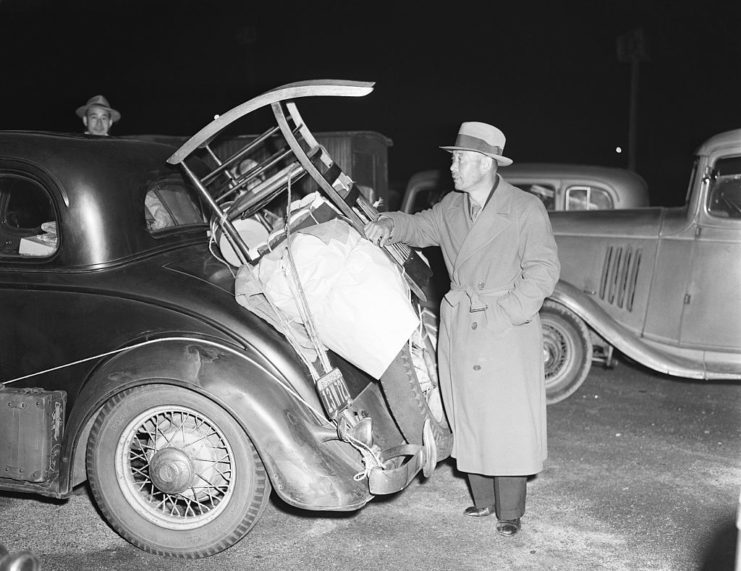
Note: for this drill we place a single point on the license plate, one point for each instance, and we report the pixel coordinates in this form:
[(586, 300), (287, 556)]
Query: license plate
[(333, 392)]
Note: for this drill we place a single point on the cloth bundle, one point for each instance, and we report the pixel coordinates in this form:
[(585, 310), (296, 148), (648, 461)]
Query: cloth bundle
[(357, 297)]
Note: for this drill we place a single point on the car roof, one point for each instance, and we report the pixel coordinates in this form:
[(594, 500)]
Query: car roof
[(726, 139), (100, 184), (568, 171), (60, 153)]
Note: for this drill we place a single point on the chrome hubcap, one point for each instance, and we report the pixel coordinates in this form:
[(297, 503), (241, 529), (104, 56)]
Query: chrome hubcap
[(171, 470), (177, 466)]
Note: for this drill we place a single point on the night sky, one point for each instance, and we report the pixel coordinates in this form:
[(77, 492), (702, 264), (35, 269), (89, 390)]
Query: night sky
[(547, 73)]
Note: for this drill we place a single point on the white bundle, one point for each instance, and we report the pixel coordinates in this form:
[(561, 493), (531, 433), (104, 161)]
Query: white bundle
[(357, 297)]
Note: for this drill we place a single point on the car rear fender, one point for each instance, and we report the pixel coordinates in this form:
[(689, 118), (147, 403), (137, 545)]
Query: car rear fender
[(308, 466), (622, 338)]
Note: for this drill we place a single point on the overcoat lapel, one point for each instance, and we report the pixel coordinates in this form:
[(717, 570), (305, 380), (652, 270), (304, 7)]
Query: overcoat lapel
[(493, 219)]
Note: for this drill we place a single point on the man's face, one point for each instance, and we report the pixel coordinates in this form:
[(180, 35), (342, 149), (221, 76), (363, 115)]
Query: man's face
[(97, 120), (468, 168)]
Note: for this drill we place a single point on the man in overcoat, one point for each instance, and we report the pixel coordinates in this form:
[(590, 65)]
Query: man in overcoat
[(501, 256)]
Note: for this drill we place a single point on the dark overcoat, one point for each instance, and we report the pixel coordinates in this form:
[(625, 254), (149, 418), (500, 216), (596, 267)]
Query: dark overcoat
[(502, 265)]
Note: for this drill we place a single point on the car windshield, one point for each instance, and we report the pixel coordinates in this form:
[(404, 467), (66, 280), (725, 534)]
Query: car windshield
[(724, 198), (169, 203)]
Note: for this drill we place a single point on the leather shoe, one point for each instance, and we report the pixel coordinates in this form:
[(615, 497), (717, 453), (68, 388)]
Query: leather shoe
[(508, 527), (473, 511)]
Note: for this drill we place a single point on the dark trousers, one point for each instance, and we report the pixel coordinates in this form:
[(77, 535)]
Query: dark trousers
[(506, 493)]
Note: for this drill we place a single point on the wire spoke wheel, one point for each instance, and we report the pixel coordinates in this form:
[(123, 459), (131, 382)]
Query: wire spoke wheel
[(567, 351), (173, 473), (558, 347), (176, 466)]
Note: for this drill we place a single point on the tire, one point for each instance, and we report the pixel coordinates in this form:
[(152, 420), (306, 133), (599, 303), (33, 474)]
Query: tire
[(410, 384), (567, 351), (173, 473)]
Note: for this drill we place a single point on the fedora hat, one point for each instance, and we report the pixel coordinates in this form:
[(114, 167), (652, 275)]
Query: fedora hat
[(98, 101), (481, 138)]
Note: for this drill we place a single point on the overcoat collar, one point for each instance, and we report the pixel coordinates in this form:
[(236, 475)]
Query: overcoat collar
[(493, 219)]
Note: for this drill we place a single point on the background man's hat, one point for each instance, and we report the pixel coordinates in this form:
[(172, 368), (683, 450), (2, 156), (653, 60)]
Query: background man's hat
[(98, 101), (481, 138)]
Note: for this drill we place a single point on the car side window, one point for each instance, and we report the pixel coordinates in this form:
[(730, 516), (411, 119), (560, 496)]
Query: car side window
[(724, 197), (28, 226), (170, 203), (425, 198), (546, 193), (588, 198)]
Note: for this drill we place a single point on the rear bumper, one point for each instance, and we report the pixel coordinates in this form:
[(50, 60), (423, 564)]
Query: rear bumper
[(386, 479)]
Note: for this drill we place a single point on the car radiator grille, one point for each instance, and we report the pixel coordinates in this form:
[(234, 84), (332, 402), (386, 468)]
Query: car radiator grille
[(620, 275)]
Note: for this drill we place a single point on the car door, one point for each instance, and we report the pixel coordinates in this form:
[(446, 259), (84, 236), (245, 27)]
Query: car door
[(711, 319), (28, 241)]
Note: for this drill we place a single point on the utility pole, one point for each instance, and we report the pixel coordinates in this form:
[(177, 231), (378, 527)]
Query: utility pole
[(631, 48)]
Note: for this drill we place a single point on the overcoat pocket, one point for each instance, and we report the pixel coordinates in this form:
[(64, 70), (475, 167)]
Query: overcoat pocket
[(497, 320)]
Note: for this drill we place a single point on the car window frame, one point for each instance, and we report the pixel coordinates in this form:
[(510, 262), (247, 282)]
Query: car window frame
[(8, 168), (590, 188), (526, 186), (712, 185), (153, 185)]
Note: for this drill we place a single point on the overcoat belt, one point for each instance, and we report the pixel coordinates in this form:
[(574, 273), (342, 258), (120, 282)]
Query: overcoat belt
[(502, 266)]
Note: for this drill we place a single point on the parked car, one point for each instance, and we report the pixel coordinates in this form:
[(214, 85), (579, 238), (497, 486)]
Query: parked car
[(127, 361), (559, 186), (658, 284)]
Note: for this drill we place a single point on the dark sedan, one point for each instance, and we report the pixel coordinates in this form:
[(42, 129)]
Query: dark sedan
[(125, 359)]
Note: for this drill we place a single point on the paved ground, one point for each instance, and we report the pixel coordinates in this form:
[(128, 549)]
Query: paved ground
[(644, 473)]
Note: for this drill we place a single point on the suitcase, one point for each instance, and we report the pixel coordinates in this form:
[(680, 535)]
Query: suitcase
[(31, 429)]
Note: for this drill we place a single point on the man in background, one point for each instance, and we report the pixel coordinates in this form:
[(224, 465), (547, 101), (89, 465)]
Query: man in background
[(97, 115)]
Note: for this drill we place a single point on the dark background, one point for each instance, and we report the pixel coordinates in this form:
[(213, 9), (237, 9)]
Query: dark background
[(547, 73)]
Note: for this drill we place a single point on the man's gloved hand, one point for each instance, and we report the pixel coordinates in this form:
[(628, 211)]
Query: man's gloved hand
[(379, 232)]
